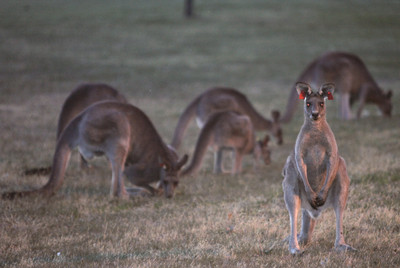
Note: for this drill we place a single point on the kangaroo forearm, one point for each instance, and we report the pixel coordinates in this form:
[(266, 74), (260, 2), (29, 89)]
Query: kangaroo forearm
[(302, 168), (330, 176)]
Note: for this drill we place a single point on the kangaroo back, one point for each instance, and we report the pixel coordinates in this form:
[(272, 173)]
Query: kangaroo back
[(183, 122), (84, 96)]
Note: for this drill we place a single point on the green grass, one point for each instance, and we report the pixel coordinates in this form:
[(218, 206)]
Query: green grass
[(161, 61)]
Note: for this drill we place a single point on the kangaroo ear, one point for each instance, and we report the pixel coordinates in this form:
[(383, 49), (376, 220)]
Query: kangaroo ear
[(275, 115), (183, 161), (326, 90), (303, 89)]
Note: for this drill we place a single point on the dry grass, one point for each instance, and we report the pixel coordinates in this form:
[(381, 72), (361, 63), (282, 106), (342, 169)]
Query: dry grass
[(160, 62)]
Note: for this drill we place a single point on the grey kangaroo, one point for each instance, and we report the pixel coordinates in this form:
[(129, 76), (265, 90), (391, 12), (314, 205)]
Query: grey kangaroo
[(353, 81), (221, 99), (315, 176), (228, 131), (126, 136)]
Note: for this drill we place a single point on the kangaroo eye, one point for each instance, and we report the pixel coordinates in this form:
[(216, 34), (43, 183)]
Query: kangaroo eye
[(308, 104), (321, 104)]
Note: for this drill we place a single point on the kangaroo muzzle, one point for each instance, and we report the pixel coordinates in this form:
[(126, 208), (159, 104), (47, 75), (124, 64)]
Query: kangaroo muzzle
[(314, 115)]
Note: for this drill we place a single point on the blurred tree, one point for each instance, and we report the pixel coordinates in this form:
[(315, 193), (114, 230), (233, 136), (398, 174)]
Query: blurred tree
[(188, 8)]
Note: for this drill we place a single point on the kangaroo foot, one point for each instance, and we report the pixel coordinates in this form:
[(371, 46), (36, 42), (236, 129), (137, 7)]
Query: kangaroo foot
[(344, 248), (303, 240), (296, 251), (138, 192)]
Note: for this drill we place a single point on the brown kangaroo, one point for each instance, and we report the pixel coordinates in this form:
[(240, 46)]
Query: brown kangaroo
[(224, 99), (78, 100), (126, 136), (228, 131), (315, 176), (352, 80)]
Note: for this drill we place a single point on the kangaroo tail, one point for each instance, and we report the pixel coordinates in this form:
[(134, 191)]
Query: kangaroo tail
[(66, 142), (13, 195), (183, 122), (60, 161), (42, 171), (291, 106), (205, 138)]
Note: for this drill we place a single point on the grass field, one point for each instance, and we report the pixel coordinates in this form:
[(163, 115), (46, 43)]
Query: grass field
[(160, 61)]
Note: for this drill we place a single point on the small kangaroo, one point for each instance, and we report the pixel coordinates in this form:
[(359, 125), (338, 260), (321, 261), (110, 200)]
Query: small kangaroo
[(352, 80), (78, 100), (224, 99), (315, 176), (228, 131), (126, 136)]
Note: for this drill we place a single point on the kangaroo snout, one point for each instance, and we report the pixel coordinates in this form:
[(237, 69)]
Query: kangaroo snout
[(314, 115)]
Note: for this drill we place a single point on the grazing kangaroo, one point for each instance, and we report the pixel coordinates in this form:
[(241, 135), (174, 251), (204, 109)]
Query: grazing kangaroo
[(78, 100), (126, 136), (228, 131), (82, 97), (224, 99), (352, 80), (315, 176)]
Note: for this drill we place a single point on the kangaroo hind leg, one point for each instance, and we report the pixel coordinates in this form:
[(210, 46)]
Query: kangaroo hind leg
[(237, 162), (218, 159), (307, 228), (117, 159), (293, 203), (341, 192)]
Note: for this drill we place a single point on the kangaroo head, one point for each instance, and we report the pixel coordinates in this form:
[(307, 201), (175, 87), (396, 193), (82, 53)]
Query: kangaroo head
[(262, 151), (276, 127), (169, 172), (314, 102), (386, 104)]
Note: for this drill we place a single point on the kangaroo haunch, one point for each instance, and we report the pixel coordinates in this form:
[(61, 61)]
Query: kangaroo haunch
[(77, 101)]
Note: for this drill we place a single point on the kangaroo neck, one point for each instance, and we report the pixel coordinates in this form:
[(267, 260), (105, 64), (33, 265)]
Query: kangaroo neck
[(319, 124), (259, 122)]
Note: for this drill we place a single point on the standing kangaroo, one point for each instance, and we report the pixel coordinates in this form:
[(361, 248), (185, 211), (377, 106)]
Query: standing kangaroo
[(228, 131), (352, 80), (224, 99), (315, 176), (78, 100), (126, 136)]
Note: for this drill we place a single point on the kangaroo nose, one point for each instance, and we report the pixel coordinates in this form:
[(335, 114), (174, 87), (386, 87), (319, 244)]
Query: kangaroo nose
[(315, 115)]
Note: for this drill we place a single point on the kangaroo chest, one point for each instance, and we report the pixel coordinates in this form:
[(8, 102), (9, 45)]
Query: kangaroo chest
[(316, 156)]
